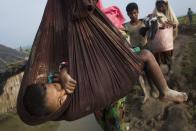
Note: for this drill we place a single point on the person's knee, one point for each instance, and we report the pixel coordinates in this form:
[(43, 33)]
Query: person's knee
[(146, 54)]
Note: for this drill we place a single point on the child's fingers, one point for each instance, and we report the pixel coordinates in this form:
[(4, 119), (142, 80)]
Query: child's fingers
[(69, 91), (73, 82), (70, 80), (70, 86)]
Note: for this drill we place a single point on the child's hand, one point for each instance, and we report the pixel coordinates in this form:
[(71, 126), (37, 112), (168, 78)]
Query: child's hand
[(68, 83)]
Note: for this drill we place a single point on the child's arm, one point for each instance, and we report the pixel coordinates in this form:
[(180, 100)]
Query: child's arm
[(67, 82)]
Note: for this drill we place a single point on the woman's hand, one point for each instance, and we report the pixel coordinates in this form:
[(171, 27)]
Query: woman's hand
[(166, 25), (172, 24)]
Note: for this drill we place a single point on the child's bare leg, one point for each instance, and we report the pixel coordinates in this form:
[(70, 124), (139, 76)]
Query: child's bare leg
[(153, 70)]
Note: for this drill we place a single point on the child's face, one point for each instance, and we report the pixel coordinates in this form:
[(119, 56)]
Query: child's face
[(55, 96), (133, 15), (161, 7)]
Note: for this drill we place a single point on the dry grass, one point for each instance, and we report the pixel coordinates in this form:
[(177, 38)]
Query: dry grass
[(184, 19)]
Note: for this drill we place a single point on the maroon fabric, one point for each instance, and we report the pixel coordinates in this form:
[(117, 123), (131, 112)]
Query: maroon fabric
[(99, 61)]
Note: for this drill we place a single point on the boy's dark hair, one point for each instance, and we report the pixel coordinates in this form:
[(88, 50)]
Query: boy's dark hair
[(131, 6), (34, 100)]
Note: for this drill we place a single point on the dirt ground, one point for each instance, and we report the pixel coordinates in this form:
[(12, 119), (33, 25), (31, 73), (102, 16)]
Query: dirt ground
[(155, 115)]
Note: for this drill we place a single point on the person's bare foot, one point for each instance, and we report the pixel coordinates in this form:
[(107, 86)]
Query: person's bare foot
[(175, 96)]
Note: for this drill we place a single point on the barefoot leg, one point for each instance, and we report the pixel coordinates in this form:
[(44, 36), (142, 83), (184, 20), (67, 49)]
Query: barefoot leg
[(175, 96), (153, 71)]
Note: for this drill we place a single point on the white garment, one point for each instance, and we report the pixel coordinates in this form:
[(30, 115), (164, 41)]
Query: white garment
[(170, 15), (163, 41)]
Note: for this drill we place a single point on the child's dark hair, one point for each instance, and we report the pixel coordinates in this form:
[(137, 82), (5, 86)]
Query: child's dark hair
[(34, 100), (131, 6)]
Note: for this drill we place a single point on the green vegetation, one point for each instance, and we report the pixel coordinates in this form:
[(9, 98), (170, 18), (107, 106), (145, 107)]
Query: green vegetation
[(16, 64), (184, 19), (25, 50)]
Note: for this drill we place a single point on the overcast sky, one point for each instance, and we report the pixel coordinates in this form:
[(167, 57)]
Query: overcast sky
[(19, 19)]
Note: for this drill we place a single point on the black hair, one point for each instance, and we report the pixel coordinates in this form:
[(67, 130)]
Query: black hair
[(34, 100), (131, 6), (158, 3)]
